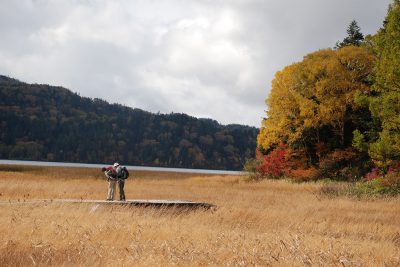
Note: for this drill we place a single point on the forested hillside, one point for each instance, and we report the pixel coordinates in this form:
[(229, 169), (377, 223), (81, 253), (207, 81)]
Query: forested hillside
[(42, 122)]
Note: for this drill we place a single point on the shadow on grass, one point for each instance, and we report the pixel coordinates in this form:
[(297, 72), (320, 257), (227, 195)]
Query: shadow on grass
[(20, 168)]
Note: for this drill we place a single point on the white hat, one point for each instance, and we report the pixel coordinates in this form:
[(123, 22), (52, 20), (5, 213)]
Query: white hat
[(116, 164)]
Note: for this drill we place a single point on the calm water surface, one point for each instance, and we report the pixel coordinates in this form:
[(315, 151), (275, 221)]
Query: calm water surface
[(135, 168)]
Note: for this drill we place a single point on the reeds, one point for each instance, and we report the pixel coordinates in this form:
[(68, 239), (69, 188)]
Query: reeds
[(256, 224)]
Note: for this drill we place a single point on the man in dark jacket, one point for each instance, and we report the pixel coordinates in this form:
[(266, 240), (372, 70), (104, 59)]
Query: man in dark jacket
[(122, 175)]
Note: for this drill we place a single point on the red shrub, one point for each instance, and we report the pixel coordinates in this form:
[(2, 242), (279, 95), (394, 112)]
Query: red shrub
[(393, 170), (274, 163), (373, 174)]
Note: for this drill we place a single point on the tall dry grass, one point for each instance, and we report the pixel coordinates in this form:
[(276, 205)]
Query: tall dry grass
[(270, 223)]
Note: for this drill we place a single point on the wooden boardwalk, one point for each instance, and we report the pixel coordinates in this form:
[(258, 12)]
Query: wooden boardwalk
[(157, 203)]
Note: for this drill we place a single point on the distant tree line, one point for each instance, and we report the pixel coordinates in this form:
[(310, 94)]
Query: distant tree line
[(42, 122)]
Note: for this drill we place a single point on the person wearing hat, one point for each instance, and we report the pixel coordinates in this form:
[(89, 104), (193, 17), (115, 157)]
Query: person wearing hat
[(111, 174)]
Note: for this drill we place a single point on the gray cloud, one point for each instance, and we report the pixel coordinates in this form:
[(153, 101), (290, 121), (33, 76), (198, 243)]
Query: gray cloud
[(211, 59)]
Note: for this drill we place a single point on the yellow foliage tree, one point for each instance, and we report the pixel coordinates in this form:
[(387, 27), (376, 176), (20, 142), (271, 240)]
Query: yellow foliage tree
[(315, 98), (282, 113)]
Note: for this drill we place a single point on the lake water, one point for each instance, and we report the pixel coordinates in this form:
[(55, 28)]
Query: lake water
[(134, 168)]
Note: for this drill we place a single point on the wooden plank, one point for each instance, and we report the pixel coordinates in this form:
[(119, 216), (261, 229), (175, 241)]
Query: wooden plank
[(130, 202)]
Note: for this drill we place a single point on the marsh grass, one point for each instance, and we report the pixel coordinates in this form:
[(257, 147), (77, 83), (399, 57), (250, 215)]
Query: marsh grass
[(267, 223)]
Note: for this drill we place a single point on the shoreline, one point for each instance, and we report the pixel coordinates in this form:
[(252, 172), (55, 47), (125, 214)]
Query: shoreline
[(129, 167)]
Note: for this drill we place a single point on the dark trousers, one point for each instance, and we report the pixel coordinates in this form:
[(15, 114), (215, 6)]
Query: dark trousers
[(121, 184)]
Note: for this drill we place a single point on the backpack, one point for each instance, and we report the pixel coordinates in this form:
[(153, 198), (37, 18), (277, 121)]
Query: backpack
[(124, 173)]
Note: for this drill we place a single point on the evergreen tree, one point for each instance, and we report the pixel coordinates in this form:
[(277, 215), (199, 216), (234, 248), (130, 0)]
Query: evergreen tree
[(386, 104), (354, 36)]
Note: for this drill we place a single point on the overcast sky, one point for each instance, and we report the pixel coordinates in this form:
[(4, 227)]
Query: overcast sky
[(207, 58)]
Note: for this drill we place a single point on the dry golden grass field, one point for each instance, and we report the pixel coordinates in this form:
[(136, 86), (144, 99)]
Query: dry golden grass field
[(268, 223)]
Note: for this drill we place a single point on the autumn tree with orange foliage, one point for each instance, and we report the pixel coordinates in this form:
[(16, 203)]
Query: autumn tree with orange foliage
[(311, 105)]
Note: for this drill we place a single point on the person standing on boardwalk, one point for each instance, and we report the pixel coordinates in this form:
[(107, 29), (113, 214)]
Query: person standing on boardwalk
[(111, 174), (122, 175)]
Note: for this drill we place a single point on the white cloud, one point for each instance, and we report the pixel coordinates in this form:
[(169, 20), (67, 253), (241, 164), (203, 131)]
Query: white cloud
[(206, 58)]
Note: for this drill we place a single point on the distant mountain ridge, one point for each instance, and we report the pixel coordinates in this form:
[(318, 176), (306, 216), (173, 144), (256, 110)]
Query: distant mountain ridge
[(43, 122)]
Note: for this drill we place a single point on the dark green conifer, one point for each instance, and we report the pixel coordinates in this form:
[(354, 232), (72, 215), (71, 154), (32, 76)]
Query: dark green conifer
[(354, 36)]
